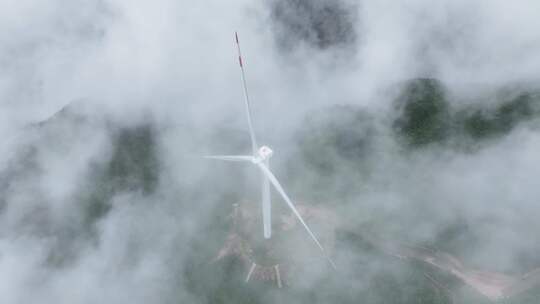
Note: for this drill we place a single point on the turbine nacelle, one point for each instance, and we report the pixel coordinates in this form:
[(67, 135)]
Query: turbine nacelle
[(265, 153)]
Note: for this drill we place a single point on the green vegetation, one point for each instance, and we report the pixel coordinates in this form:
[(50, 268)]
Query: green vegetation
[(483, 124), (133, 166), (426, 118), (425, 115)]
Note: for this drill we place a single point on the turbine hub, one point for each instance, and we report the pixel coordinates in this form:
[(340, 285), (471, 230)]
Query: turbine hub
[(265, 152)]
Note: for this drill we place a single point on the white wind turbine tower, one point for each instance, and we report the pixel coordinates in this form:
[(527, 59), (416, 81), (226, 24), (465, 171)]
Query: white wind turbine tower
[(260, 157)]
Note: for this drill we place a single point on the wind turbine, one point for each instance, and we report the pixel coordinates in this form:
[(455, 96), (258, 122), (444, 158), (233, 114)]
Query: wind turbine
[(261, 158)]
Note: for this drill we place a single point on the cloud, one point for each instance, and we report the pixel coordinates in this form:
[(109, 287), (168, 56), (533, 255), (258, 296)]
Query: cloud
[(108, 200)]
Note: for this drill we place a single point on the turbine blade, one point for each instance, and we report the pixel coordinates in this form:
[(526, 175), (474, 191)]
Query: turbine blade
[(266, 205), (279, 189), (246, 99), (231, 157)]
